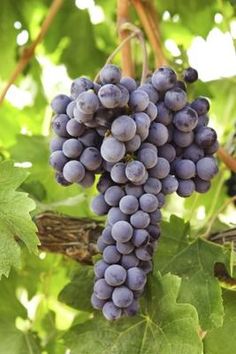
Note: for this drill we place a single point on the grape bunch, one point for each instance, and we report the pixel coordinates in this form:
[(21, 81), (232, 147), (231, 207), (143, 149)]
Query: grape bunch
[(145, 142)]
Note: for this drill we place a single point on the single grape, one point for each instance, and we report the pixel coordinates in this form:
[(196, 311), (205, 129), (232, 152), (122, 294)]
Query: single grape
[(148, 202), (122, 231), (186, 119), (99, 205), (59, 125), (125, 247), (56, 143), (140, 219), (122, 297), (107, 237), (193, 152), (58, 160), (185, 169), (131, 189), (169, 185), (70, 109), (161, 169), (101, 245), (203, 121), (88, 180), (104, 183), (151, 111), (118, 174), (96, 302), (113, 195), (161, 199), (102, 290), (61, 180), (100, 267), (133, 144), (146, 266), (142, 181), (182, 139), (112, 150), (132, 309), (129, 83), (167, 151), (87, 102), (111, 255), (109, 95), (142, 253), (152, 185), (148, 157), (164, 114), (111, 312), (110, 74), (136, 278), (201, 105), (201, 186), (185, 188), (205, 137), (80, 85), (155, 216), (74, 128), (175, 99), (123, 128), (138, 100), (129, 261), (72, 148), (190, 75), (91, 158), (60, 103), (115, 275), (154, 231), (207, 168), (124, 96), (151, 92), (135, 171), (158, 134), (140, 237), (129, 204), (142, 122), (164, 78), (148, 146), (212, 148), (115, 215)]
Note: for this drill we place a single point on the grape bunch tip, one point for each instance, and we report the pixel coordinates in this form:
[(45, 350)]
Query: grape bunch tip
[(144, 142)]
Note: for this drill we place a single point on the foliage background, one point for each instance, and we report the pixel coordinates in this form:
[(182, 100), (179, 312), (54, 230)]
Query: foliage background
[(44, 302)]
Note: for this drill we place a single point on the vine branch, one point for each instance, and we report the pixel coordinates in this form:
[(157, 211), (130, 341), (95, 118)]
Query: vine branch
[(126, 51), (228, 160), (148, 17), (28, 52)]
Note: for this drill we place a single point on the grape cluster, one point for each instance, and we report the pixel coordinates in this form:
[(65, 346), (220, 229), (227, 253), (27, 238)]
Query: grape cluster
[(145, 141)]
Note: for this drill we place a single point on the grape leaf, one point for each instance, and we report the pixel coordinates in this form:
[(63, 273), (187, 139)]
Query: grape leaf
[(222, 340), (194, 262), (15, 220), (164, 326)]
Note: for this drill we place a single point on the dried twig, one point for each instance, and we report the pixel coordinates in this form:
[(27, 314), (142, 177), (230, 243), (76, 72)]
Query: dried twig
[(28, 52)]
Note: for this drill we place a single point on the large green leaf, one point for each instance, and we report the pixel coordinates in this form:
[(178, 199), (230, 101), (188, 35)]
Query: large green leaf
[(194, 262), (223, 340), (15, 220), (164, 327)]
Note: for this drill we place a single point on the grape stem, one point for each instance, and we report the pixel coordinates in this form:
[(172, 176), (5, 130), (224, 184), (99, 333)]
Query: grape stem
[(228, 160), (28, 52), (126, 51), (135, 32)]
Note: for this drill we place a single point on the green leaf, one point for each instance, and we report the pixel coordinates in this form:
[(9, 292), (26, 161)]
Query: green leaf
[(15, 220), (78, 292), (194, 262), (222, 340), (164, 327)]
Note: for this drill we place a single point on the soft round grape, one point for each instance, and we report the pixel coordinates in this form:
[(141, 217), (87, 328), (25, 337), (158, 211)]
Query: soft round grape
[(72, 148), (56, 143), (158, 134), (151, 111), (148, 157), (115, 215), (96, 302), (111, 312), (110, 74), (99, 205), (140, 237), (107, 237), (167, 151), (115, 275), (111, 255), (124, 96), (148, 202), (125, 247), (59, 125), (193, 152), (186, 119), (113, 195), (91, 158), (134, 190), (100, 267), (112, 150), (164, 114), (87, 102), (185, 169), (132, 309), (129, 260), (138, 100), (102, 290), (142, 122), (190, 75), (161, 169), (135, 171), (207, 168), (129, 204), (136, 278), (122, 231), (169, 185), (205, 137), (151, 91), (140, 219), (201, 186), (182, 139), (60, 103), (118, 174), (74, 128), (133, 144), (142, 253), (201, 105), (163, 79), (122, 296), (152, 185), (185, 188), (109, 96), (129, 83), (58, 160), (80, 85), (175, 99), (123, 128)]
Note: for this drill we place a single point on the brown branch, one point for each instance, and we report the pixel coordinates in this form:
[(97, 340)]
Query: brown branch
[(147, 14), (228, 160), (126, 53), (28, 52)]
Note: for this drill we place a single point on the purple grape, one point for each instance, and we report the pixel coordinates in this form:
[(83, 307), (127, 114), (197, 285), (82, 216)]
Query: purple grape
[(151, 111), (129, 261), (96, 302), (152, 185), (164, 115), (201, 186), (111, 255), (148, 157), (99, 268), (135, 171), (59, 103), (111, 312), (75, 128), (140, 219), (99, 205), (125, 247), (112, 150), (72, 148), (158, 134), (91, 158), (136, 278), (59, 125), (115, 215), (129, 83), (102, 290), (129, 204), (205, 137), (207, 168), (118, 174), (131, 189), (190, 75), (148, 202), (122, 231), (115, 275), (169, 185), (113, 195), (185, 188), (167, 151), (140, 237), (133, 144), (185, 169), (138, 100), (151, 92), (163, 79), (123, 128), (58, 160), (122, 297), (110, 74), (175, 99), (161, 170), (80, 85), (186, 120), (201, 105), (109, 95), (56, 143)]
